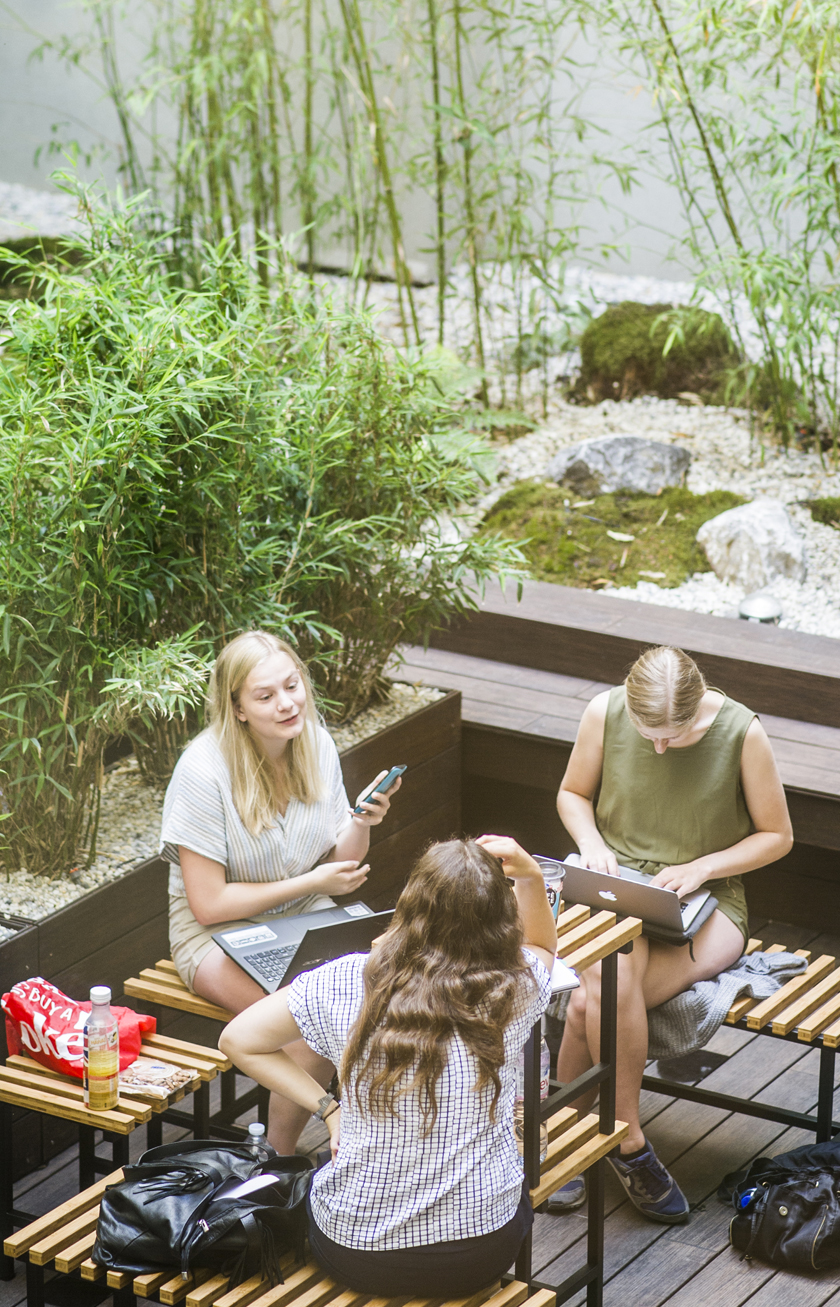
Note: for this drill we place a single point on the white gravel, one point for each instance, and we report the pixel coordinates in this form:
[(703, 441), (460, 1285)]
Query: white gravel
[(24, 212), (725, 456), (129, 824)]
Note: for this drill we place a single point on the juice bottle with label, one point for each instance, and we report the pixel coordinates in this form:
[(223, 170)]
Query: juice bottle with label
[(102, 1052)]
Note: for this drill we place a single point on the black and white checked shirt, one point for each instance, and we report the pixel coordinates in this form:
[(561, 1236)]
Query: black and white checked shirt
[(391, 1186)]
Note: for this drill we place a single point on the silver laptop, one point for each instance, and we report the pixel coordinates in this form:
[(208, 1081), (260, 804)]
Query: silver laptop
[(631, 894), (274, 952)]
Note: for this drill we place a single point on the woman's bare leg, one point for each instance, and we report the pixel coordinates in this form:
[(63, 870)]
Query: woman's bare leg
[(220, 980), (648, 976)]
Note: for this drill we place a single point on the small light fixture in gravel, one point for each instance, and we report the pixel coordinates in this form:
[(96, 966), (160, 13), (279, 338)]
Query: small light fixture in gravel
[(760, 607)]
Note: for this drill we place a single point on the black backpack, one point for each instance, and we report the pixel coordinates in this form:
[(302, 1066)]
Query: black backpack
[(787, 1208), (175, 1210)]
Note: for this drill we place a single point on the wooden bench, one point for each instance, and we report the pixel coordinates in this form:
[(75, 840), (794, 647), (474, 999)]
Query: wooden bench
[(162, 985), (805, 1010), (25, 1083)]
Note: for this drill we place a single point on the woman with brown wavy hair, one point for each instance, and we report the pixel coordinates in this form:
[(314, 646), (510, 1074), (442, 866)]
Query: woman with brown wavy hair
[(425, 1194)]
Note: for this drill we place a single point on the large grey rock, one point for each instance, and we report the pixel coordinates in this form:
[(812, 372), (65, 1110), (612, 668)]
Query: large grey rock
[(620, 463), (753, 544)]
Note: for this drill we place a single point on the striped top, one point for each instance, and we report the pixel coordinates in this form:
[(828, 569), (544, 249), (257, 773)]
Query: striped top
[(393, 1185), (199, 813)]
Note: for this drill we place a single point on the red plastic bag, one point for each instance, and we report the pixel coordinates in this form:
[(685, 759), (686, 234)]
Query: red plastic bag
[(47, 1026)]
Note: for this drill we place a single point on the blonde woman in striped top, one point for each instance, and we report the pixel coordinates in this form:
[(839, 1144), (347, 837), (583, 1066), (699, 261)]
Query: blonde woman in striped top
[(256, 823)]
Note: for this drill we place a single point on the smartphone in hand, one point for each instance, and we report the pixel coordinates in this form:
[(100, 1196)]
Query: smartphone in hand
[(381, 787)]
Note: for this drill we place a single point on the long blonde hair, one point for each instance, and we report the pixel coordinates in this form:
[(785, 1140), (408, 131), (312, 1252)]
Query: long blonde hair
[(664, 688), (252, 782)]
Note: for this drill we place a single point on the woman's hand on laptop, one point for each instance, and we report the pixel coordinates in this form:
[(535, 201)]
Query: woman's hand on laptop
[(595, 855), (338, 877), (683, 880)]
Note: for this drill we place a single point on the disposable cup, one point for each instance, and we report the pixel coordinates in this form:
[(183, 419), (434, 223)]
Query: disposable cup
[(553, 875)]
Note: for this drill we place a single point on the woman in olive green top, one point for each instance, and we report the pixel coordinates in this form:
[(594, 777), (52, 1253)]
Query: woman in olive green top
[(669, 777)]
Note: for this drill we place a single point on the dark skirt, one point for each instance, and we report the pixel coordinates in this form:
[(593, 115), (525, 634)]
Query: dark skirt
[(452, 1269)]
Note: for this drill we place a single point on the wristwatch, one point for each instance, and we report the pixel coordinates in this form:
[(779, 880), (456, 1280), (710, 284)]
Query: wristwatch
[(322, 1111)]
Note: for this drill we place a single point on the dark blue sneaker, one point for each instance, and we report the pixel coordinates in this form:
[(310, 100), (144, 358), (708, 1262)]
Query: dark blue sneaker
[(650, 1187), (568, 1197)]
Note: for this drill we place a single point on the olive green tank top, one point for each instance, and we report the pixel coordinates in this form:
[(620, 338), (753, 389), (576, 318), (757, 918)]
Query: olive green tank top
[(658, 810)]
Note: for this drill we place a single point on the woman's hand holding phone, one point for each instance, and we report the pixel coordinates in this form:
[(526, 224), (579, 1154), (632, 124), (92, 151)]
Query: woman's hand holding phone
[(372, 804)]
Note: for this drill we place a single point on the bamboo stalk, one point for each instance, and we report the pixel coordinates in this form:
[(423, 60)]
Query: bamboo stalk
[(440, 169), (469, 208)]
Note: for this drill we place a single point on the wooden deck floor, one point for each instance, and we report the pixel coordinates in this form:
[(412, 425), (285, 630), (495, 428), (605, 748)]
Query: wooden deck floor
[(550, 705), (646, 1265)]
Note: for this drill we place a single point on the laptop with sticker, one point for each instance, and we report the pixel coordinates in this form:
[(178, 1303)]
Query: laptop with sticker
[(632, 895), (273, 952)]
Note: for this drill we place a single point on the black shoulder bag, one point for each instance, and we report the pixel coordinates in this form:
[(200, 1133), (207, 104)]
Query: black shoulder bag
[(177, 1208), (787, 1208)]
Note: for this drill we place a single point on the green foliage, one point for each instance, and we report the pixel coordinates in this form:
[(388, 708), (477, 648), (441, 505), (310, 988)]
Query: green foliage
[(567, 541), (747, 131), (653, 349), (176, 465), (329, 126)]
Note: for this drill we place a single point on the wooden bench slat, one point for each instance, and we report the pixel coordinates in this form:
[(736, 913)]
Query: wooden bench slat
[(586, 931), (814, 1024), (569, 1142), (28, 1074), (753, 946), (69, 1258), (244, 1293), (118, 1279), (166, 964), (177, 1287), (54, 1105), (298, 1282), (19, 1243), (620, 934), (570, 917), (561, 1121), (90, 1270), (578, 1162), (739, 1008), (207, 1292), (145, 1286), (169, 996), (183, 1048), (45, 1249), (831, 1035), (764, 1012), (814, 998)]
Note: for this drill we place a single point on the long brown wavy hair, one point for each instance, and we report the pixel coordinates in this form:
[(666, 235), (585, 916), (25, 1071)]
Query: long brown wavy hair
[(451, 963)]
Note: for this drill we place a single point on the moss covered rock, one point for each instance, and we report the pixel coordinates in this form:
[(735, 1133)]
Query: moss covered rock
[(622, 353), (617, 538)]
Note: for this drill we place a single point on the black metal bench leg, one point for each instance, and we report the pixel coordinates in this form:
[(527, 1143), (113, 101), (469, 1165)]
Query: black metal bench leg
[(228, 1091), (825, 1102), (125, 1297), (595, 1233), (263, 1100), (34, 1285), (523, 1264), (87, 1156), (7, 1189), (201, 1110), (154, 1130)]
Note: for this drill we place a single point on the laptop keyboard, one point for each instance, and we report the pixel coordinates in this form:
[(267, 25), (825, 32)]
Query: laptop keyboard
[(274, 962)]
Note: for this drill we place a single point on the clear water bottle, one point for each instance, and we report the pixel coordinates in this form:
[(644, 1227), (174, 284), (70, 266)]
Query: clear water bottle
[(257, 1143), (519, 1102), (101, 1052)]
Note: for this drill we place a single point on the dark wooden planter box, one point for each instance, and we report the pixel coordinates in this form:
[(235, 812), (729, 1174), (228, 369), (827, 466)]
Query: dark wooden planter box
[(118, 929)]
